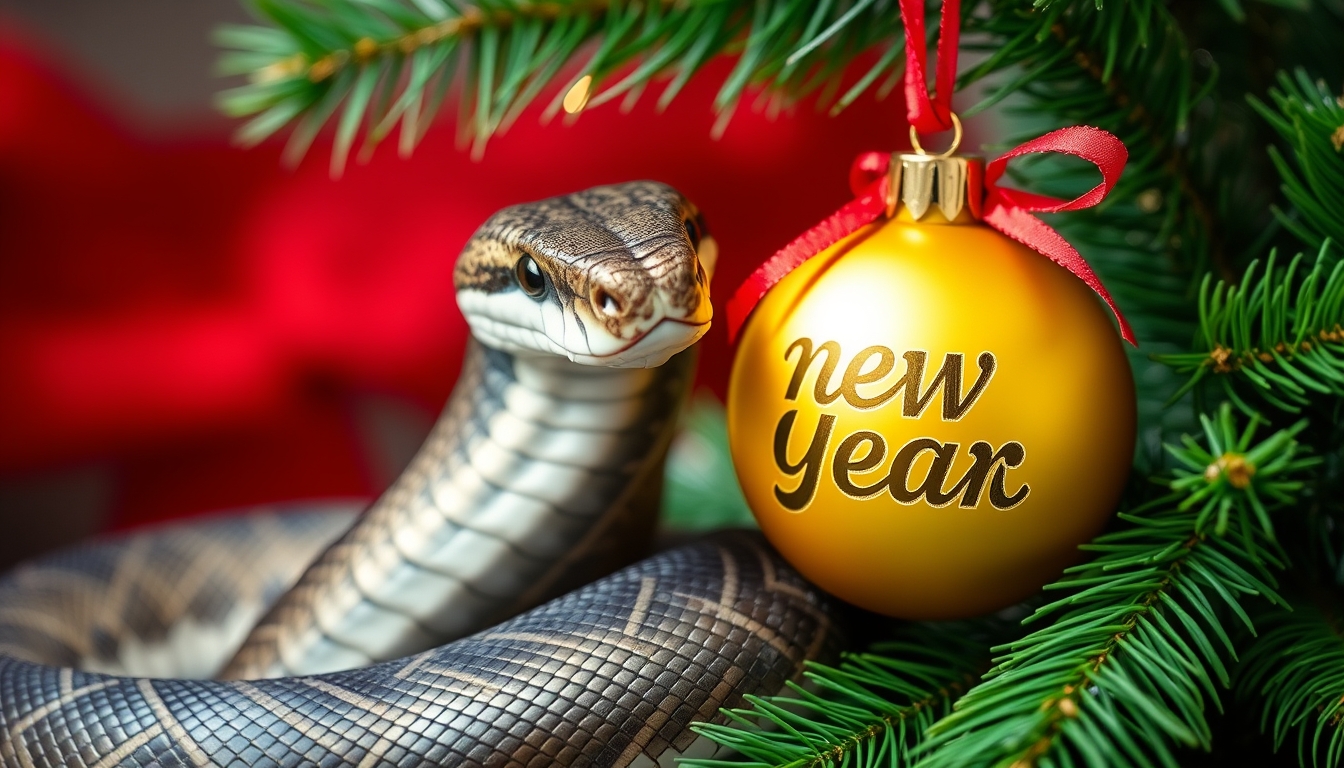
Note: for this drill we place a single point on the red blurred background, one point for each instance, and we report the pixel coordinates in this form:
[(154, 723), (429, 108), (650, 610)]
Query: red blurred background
[(186, 326)]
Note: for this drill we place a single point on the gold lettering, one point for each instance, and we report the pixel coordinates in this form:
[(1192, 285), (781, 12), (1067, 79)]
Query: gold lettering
[(809, 466), (805, 358)]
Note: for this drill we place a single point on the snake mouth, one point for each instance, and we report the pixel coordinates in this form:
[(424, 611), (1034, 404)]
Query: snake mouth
[(651, 349)]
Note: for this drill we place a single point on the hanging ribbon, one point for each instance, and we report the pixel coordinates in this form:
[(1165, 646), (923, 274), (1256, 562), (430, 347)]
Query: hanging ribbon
[(930, 114), (1007, 210)]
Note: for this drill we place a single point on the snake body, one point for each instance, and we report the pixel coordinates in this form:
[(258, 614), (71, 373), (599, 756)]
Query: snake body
[(542, 473)]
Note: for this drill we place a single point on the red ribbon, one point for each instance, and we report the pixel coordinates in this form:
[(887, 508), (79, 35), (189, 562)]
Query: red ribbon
[(930, 114), (1007, 210)]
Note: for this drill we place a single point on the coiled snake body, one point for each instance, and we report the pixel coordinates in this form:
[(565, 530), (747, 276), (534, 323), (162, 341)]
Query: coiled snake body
[(543, 473)]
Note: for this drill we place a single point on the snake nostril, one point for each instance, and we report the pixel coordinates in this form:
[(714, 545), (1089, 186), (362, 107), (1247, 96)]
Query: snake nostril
[(604, 301)]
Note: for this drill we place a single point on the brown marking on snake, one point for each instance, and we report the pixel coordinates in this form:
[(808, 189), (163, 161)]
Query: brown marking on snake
[(174, 728), (17, 730), (642, 602), (128, 747), (292, 717)]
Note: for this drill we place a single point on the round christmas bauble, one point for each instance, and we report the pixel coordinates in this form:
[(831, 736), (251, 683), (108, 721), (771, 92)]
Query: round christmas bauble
[(928, 418)]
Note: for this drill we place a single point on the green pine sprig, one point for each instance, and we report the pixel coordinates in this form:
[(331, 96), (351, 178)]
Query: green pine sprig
[(1310, 120), (1127, 68), (1279, 335), (370, 66), (1295, 670), (872, 710), (1130, 660)]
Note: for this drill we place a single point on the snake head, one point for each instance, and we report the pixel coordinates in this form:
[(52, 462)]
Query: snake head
[(613, 276)]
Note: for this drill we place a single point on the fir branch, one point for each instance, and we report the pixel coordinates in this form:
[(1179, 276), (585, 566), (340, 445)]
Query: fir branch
[(871, 710), (1279, 335), (1126, 68), (1123, 672), (1311, 120), (390, 62), (1296, 670)]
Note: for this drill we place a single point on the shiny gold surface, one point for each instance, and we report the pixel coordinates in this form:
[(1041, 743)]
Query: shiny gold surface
[(1060, 388)]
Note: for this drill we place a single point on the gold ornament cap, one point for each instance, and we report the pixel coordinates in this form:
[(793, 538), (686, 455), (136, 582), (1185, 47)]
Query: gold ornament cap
[(920, 180)]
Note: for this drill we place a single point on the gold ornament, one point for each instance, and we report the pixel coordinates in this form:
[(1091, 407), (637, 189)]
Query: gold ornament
[(928, 418)]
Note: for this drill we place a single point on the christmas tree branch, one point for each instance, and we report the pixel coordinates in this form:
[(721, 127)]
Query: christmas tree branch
[(1296, 671), (1122, 673), (873, 709), (1310, 119), (1127, 68), (387, 62), (1279, 334)]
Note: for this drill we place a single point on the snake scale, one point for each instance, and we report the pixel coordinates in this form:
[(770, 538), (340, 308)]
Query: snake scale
[(443, 625)]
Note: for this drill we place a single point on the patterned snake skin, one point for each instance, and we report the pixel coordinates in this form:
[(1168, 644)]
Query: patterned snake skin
[(609, 675), (543, 472)]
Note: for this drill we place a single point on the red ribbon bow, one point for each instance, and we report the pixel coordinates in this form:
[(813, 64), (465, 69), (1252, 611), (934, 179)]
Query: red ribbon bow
[(1007, 210)]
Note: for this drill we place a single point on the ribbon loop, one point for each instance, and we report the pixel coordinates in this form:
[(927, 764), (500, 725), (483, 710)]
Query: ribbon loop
[(1094, 145), (867, 168), (1009, 210)]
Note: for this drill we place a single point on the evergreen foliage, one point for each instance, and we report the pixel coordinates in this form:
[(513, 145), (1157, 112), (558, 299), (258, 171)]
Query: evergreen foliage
[(1296, 668), (1279, 333), (1120, 673), (1126, 665), (1310, 119), (391, 62), (871, 710)]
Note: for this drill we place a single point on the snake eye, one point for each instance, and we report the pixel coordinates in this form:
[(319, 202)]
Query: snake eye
[(530, 277), (693, 231)]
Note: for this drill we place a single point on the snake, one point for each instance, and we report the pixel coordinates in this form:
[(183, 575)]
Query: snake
[(491, 607)]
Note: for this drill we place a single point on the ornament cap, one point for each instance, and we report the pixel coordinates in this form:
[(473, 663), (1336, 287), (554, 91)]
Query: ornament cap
[(919, 182)]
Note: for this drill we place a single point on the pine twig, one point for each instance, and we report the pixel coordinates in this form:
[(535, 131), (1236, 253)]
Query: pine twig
[(1279, 335), (1311, 120), (1123, 672), (384, 63), (1296, 671), (871, 710)]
